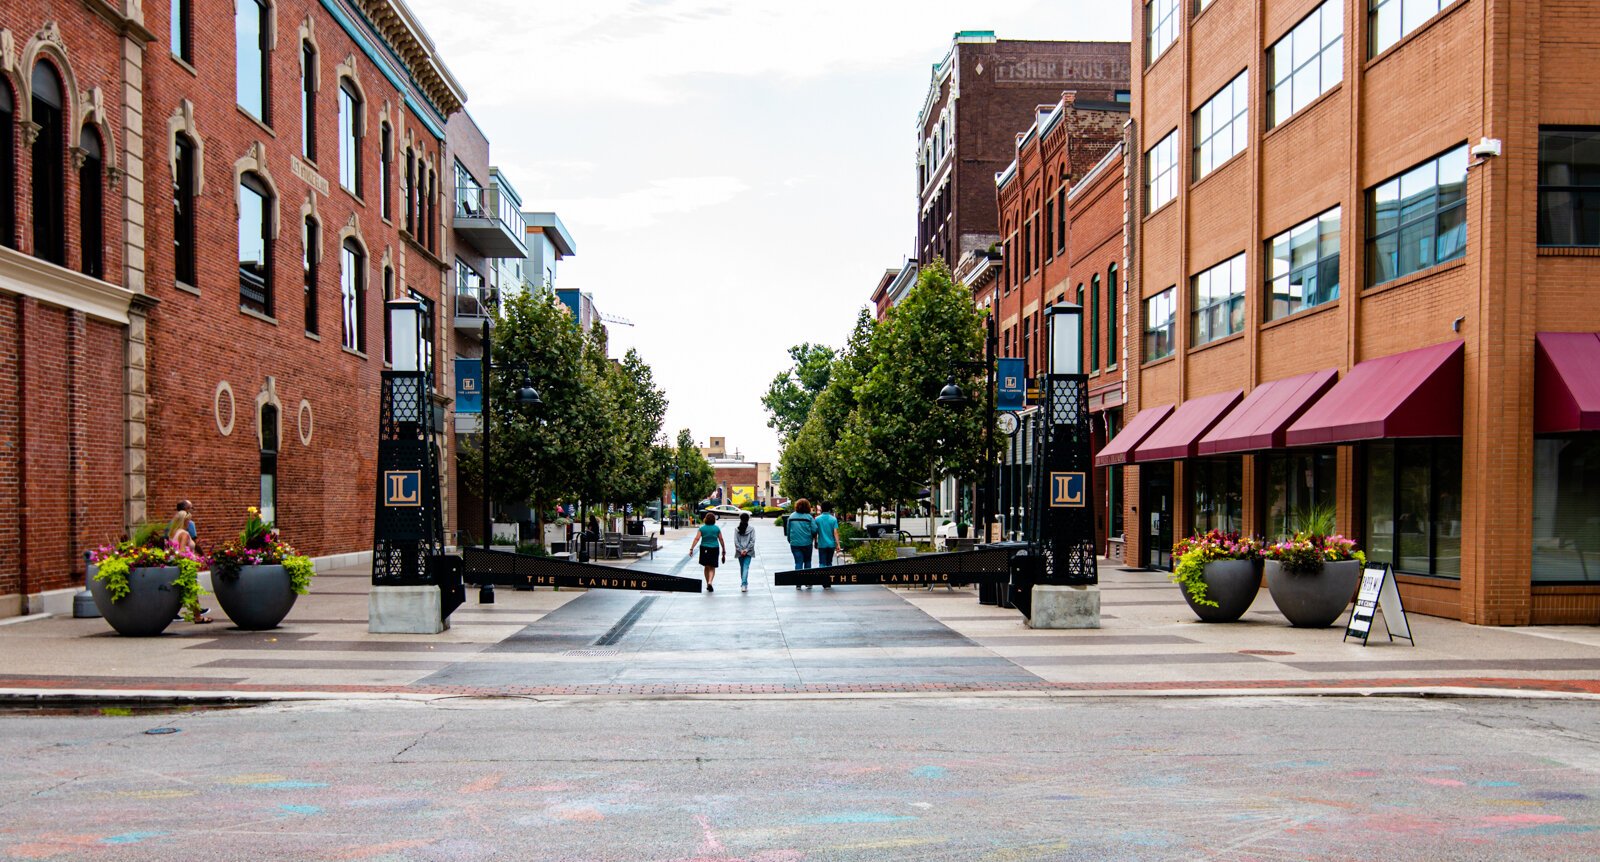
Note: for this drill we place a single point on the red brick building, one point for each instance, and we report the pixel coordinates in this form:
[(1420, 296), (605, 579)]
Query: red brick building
[(1362, 278)]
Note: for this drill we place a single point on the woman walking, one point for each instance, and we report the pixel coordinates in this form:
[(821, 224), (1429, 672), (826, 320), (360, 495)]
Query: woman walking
[(802, 530), (744, 547), (180, 537), (709, 539)]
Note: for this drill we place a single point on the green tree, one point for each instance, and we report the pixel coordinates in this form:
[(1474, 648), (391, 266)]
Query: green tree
[(637, 409), (790, 396), (696, 478)]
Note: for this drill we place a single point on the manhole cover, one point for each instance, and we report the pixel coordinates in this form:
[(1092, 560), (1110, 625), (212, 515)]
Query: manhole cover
[(602, 652), (1264, 652)]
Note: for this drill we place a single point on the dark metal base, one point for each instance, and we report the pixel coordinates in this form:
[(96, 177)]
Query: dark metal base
[(511, 569)]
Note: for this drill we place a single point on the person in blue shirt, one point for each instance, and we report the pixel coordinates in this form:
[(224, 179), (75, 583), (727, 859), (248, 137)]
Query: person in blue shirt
[(802, 532), (709, 539), (827, 536)]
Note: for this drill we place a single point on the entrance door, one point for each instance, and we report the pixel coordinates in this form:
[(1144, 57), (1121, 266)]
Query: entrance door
[(1155, 512)]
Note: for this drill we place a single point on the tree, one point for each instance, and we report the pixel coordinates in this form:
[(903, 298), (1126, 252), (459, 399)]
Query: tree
[(790, 396), (696, 478)]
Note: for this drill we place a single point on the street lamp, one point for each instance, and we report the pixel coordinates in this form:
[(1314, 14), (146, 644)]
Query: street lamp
[(1070, 513), (406, 322), (951, 395)]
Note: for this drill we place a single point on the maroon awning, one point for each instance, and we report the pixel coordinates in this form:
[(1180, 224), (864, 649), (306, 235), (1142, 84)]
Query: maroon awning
[(1566, 379), (1411, 394), (1262, 419), (1120, 449), (1179, 436)]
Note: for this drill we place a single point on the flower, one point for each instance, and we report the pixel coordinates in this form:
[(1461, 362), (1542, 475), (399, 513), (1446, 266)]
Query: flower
[(253, 510)]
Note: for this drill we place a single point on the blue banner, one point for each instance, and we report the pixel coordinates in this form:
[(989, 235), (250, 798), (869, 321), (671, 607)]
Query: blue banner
[(469, 386), (1011, 384)]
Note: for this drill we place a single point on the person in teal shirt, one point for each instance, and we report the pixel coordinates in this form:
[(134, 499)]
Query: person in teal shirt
[(827, 536), (709, 540)]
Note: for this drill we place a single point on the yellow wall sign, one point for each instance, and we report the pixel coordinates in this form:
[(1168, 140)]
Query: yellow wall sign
[(402, 488), (743, 494), (1067, 491)]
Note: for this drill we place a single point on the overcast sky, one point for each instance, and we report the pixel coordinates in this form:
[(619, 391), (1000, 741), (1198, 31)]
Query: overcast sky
[(736, 175)]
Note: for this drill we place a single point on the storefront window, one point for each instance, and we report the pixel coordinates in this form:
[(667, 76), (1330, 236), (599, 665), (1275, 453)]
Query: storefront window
[(1566, 508), (1413, 518), (1216, 499), (1294, 486)]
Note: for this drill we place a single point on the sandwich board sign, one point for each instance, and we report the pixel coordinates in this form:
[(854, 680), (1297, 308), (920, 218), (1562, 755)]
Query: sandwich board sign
[(1378, 592)]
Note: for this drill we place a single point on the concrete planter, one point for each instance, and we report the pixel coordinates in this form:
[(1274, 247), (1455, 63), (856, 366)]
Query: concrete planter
[(152, 601), (258, 598), (1232, 584), (1315, 600)]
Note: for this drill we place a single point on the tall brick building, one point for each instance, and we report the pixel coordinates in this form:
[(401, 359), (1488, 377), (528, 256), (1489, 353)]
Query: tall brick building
[(1362, 276), (980, 96), (208, 203)]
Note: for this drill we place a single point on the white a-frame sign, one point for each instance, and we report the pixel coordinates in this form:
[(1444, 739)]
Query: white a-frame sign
[(1378, 592)]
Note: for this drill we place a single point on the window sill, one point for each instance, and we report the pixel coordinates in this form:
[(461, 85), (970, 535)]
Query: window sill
[(1218, 169), (254, 119), (1302, 314), (356, 353), (1215, 342), (423, 250), (313, 336), (1315, 103), (352, 195), (1415, 34), (186, 287), (1569, 251), (250, 312), (184, 64), (1151, 64), (1151, 363), (1413, 278), (1157, 211)]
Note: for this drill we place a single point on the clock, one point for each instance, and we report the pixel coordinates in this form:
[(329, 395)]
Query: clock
[(1008, 424)]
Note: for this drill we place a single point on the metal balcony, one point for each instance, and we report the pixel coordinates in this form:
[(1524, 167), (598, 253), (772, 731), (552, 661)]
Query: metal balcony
[(489, 221), (473, 307)]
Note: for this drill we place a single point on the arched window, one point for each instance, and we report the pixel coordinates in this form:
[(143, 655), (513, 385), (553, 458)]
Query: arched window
[(91, 204), (269, 462), (308, 101), (410, 192), (49, 167), (184, 201), (8, 168), (386, 170), (250, 33), (388, 294), (353, 296), (1094, 323), (350, 133), (311, 252), (255, 244), (1112, 351)]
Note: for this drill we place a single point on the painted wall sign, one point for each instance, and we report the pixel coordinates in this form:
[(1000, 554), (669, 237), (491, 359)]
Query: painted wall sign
[(1067, 491)]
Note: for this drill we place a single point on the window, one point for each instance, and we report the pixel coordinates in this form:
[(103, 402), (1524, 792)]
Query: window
[(353, 296), (386, 170), (1304, 268), (268, 419), (428, 335), (91, 205), (1390, 20), (1160, 325), (1219, 300), (1111, 317), (350, 134), (181, 34), (8, 168), (409, 191), (1418, 219), (49, 167), (469, 193), (1061, 219), (1217, 499), (1306, 62), (1566, 508), (1161, 28), (1413, 495), (1569, 187), (311, 254), (1094, 323), (1161, 173), (388, 294), (184, 202), (255, 244), (1294, 485), (308, 101), (1222, 126), (1028, 367), (250, 25)]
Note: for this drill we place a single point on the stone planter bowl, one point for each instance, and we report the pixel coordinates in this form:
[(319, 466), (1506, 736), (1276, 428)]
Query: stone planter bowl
[(1232, 584), (259, 598), (1314, 600), (152, 601)]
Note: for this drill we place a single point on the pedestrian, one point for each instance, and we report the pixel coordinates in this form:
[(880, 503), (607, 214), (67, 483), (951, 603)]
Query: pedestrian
[(709, 540), (827, 537), (802, 531), (180, 535), (744, 547)]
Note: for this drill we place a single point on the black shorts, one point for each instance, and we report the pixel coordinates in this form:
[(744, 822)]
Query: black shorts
[(709, 556)]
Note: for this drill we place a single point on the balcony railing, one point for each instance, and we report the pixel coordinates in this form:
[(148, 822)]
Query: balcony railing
[(473, 304), (490, 221)]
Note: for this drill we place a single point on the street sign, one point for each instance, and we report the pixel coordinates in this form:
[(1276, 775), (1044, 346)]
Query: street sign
[(469, 386), (1011, 384), (402, 488), (1066, 490)]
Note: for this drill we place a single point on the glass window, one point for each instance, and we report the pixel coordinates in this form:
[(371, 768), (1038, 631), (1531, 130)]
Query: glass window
[(1061, 220), (91, 205), (184, 202), (310, 252), (1094, 323), (1049, 228), (1418, 219), (353, 296), (1161, 173), (1566, 508), (1306, 62), (181, 33), (1219, 300), (1295, 485), (1569, 187), (250, 57), (469, 193), (8, 168), (1216, 500), (349, 137), (1112, 351), (1222, 126), (308, 101), (1160, 324), (1390, 20), (1161, 27), (268, 423), (1303, 266), (1413, 517), (49, 166), (255, 244), (386, 170), (388, 294)]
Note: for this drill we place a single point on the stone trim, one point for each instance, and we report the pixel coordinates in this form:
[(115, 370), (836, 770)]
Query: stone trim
[(224, 427), (255, 161), (269, 395), (182, 120), (27, 275)]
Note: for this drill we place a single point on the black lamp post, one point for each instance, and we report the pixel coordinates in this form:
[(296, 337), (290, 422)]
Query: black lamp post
[(526, 395)]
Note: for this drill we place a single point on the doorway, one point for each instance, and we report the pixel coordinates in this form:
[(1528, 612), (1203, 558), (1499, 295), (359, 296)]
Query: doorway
[(1155, 501)]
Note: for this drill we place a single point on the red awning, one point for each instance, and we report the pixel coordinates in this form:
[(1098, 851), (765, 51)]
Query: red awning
[(1179, 437), (1262, 420), (1120, 449), (1411, 394), (1566, 378)]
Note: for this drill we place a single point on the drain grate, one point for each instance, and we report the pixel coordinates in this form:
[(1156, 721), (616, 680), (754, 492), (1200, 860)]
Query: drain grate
[(591, 652), (626, 623)]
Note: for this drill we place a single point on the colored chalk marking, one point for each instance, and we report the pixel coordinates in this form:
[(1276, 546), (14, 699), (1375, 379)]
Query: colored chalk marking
[(930, 772), (301, 809), (859, 817), (131, 837)]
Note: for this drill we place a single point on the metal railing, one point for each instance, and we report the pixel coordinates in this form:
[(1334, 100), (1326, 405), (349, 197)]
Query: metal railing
[(474, 300), (489, 203)]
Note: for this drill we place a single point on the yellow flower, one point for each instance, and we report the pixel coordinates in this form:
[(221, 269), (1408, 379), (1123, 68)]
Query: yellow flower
[(253, 510)]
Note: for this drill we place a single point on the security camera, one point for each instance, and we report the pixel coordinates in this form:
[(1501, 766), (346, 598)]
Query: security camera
[(1486, 148)]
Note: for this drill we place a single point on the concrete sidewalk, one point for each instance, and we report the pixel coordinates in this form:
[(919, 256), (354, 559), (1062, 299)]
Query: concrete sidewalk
[(849, 640)]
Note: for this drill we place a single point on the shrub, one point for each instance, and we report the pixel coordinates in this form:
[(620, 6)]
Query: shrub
[(533, 549), (873, 550), (1305, 553), (1193, 553), (850, 536)]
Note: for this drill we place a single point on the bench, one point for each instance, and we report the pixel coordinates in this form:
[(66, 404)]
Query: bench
[(640, 545)]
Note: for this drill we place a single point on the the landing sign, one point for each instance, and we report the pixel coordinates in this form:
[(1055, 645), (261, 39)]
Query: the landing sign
[(1379, 592), (1011, 384)]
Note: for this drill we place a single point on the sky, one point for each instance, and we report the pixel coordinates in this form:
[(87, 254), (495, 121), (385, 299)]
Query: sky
[(736, 175)]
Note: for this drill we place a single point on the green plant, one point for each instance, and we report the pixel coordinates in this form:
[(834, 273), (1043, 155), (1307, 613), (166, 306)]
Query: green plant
[(113, 572), (850, 536), (873, 551), (1305, 553), (114, 563), (922, 547), (301, 570), (1193, 553), (533, 549), (259, 544), (505, 539), (1317, 520)]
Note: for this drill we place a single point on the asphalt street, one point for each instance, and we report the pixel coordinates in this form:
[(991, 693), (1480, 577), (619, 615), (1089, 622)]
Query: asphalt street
[(1003, 779)]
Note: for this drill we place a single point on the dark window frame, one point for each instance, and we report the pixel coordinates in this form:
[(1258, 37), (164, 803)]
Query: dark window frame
[(49, 163), (263, 23), (352, 135), (8, 166), (1580, 191), (1232, 303), (255, 291), (1112, 354), (1326, 48), (184, 204), (1433, 215), (1322, 262), (1438, 449), (353, 303), (1094, 323), (1152, 334), (311, 261), (308, 101), (91, 204), (180, 30)]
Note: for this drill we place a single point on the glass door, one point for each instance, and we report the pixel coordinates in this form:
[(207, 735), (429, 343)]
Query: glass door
[(1155, 512)]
